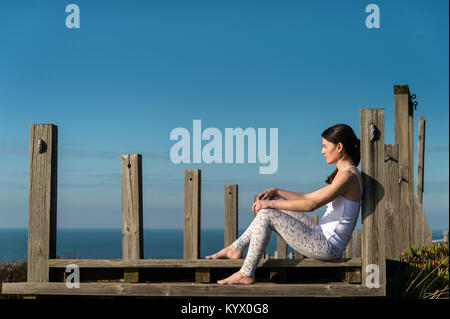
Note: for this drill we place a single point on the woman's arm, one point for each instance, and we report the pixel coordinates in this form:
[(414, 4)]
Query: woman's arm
[(312, 201), (290, 195)]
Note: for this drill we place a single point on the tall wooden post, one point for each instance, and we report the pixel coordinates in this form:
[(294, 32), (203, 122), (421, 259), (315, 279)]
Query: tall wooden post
[(132, 212), (42, 200), (356, 244), (395, 227), (420, 159), (192, 218), (403, 109), (420, 219), (231, 214), (373, 206)]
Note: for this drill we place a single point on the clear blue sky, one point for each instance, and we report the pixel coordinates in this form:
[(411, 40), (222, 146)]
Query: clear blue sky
[(136, 70)]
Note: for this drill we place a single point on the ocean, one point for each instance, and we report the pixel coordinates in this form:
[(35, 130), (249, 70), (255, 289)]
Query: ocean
[(107, 243)]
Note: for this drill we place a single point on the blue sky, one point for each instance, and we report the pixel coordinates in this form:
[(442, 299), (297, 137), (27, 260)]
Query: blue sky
[(136, 70)]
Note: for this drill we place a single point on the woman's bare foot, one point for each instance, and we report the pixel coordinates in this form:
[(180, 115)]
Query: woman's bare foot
[(237, 278), (229, 252)]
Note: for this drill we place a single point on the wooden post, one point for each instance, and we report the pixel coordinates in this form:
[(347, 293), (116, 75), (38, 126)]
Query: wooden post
[(395, 228), (420, 219), (231, 214), (192, 205), (356, 244), (349, 248), (373, 206), (42, 200), (445, 236), (132, 213), (403, 109), (281, 248), (420, 159)]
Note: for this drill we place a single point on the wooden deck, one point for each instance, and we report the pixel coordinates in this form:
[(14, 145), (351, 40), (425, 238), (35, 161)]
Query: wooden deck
[(194, 290)]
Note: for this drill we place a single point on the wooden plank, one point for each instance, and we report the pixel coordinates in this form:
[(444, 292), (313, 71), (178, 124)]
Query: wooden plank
[(395, 230), (201, 263), (192, 212), (403, 109), (192, 289), (132, 207), (231, 214), (42, 200), (373, 206)]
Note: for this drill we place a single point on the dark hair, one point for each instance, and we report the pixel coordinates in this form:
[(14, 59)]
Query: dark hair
[(344, 134)]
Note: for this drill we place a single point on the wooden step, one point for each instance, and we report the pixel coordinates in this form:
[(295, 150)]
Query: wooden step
[(201, 263), (194, 289)]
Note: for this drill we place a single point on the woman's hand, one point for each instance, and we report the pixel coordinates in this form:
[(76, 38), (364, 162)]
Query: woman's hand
[(260, 204), (271, 192)]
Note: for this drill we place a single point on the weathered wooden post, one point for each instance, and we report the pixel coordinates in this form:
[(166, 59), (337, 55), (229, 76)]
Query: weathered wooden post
[(404, 132), (395, 227), (349, 248), (420, 219), (373, 206), (42, 200), (231, 214), (281, 248), (192, 218), (420, 159), (356, 244), (132, 213)]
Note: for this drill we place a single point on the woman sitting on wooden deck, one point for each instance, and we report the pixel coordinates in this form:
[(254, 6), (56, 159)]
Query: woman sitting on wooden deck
[(283, 211)]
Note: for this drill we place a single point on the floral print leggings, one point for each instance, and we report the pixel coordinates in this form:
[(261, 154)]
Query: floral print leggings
[(297, 230)]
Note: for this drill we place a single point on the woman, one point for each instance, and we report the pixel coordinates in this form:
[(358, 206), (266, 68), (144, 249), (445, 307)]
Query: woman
[(283, 211)]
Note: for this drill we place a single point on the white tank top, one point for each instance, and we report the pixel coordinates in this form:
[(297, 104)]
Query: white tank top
[(339, 220)]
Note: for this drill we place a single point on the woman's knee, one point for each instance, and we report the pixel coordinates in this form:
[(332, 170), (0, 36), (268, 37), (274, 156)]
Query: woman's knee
[(268, 213)]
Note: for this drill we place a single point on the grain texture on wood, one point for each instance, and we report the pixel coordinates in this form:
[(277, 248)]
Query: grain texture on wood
[(192, 212), (201, 263), (373, 206), (42, 200), (403, 125), (195, 289), (395, 228), (132, 207), (231, 214)]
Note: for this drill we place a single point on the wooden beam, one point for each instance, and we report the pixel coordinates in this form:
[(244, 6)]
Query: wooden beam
[(192, 289), (192, 212), (231, 214), (42, 200), (373, 205), (201, 263)]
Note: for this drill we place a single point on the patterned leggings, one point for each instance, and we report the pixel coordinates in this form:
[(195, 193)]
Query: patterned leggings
[(297, 230)]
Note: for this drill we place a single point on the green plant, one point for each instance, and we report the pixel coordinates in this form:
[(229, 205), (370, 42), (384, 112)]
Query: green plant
[(427, 272)]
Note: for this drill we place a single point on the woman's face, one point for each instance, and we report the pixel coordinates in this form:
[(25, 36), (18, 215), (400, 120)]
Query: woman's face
[(330, 151)]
